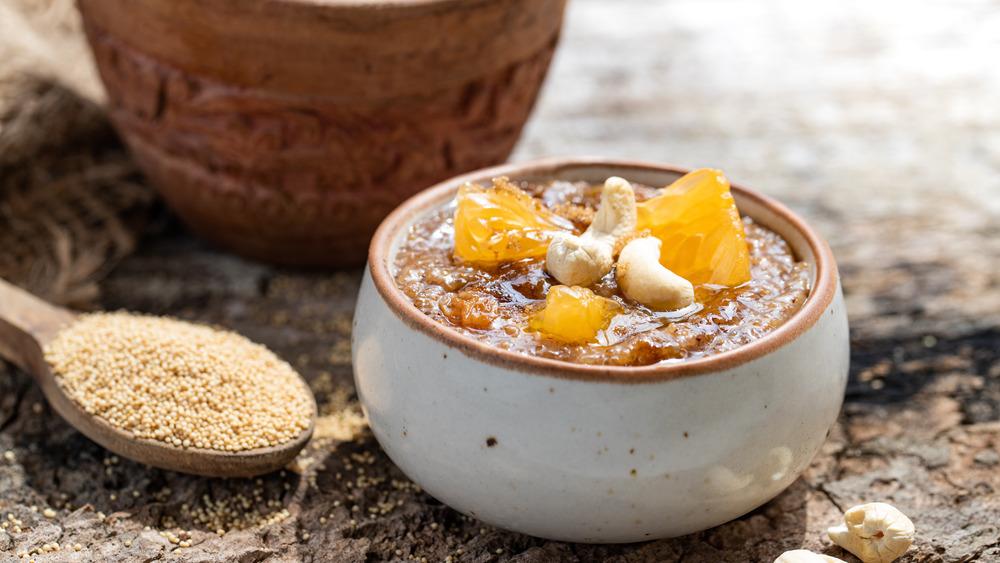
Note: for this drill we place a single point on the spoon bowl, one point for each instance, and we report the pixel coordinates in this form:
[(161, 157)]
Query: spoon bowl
[(28, 324)]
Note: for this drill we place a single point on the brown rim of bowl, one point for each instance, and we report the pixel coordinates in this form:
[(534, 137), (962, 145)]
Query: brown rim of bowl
[(820, 296)]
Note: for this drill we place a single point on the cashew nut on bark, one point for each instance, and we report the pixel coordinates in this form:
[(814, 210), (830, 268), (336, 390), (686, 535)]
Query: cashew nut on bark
[(642, 278), (585, 259), (805, 556), (874, 532)]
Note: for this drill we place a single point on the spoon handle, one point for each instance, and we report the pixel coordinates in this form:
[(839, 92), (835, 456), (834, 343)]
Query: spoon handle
[(27, 324)]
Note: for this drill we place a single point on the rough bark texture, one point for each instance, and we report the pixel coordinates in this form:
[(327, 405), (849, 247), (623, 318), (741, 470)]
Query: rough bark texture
[(878, 132)]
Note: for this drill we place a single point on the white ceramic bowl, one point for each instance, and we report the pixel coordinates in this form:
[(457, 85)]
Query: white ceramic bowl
[(592, 453)]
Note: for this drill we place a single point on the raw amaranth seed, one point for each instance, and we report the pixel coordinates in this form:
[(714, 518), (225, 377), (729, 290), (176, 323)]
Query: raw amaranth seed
[(185, 384)]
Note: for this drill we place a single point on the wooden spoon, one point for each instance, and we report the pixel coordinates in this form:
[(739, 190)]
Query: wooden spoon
[(28, 324)]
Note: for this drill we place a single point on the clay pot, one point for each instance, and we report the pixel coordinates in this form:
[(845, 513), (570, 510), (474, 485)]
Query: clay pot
[(285, 130)]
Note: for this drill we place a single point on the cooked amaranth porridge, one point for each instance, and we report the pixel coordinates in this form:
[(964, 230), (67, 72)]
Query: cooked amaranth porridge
[(618, 274)]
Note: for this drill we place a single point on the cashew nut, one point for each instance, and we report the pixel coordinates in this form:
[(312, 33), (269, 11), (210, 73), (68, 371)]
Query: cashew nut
[(874, 532), (585, 259), (577, 260), (642, 278), (616, 216), (805, 556)]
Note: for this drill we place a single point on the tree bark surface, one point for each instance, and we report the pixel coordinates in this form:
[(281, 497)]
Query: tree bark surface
[(884, 135)]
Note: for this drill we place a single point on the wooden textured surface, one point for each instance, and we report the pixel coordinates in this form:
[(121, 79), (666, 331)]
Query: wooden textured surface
[(877, 120)]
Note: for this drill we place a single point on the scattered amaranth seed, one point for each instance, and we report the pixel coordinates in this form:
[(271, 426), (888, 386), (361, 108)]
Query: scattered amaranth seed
[(180, 383)]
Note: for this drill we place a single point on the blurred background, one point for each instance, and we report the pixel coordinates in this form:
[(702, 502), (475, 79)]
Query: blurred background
[(796, 99), (877, 120)]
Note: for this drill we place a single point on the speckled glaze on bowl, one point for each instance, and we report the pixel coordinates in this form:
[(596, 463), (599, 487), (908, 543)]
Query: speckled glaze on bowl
[(592, 453), (286, 130)]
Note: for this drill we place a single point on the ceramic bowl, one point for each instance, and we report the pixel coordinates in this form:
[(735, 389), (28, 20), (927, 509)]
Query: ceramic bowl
[(593, 453), (286, 130)]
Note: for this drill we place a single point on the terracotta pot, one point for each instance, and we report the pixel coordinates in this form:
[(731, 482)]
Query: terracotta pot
[(285, 130)]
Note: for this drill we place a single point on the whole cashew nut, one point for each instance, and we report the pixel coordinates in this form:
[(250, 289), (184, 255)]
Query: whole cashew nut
[(642, 278), (585, 259), (577, 260), (617, 216), (874, 532), (805, 556)]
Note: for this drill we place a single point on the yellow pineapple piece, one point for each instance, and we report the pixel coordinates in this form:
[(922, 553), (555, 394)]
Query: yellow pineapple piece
[(573, 314), (502, 223), (697, 221)]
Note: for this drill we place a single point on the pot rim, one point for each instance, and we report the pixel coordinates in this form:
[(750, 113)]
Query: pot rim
[(820, 297), (362, 52), (375, 3)]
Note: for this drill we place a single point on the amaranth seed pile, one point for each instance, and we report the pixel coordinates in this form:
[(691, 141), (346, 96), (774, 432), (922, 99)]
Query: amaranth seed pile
[(181, 383)]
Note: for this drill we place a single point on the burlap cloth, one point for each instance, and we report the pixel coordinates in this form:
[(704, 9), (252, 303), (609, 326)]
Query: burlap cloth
[(71, 201)]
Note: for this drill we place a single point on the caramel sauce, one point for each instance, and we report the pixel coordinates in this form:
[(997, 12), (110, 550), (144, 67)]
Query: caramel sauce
[(493, 304)]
